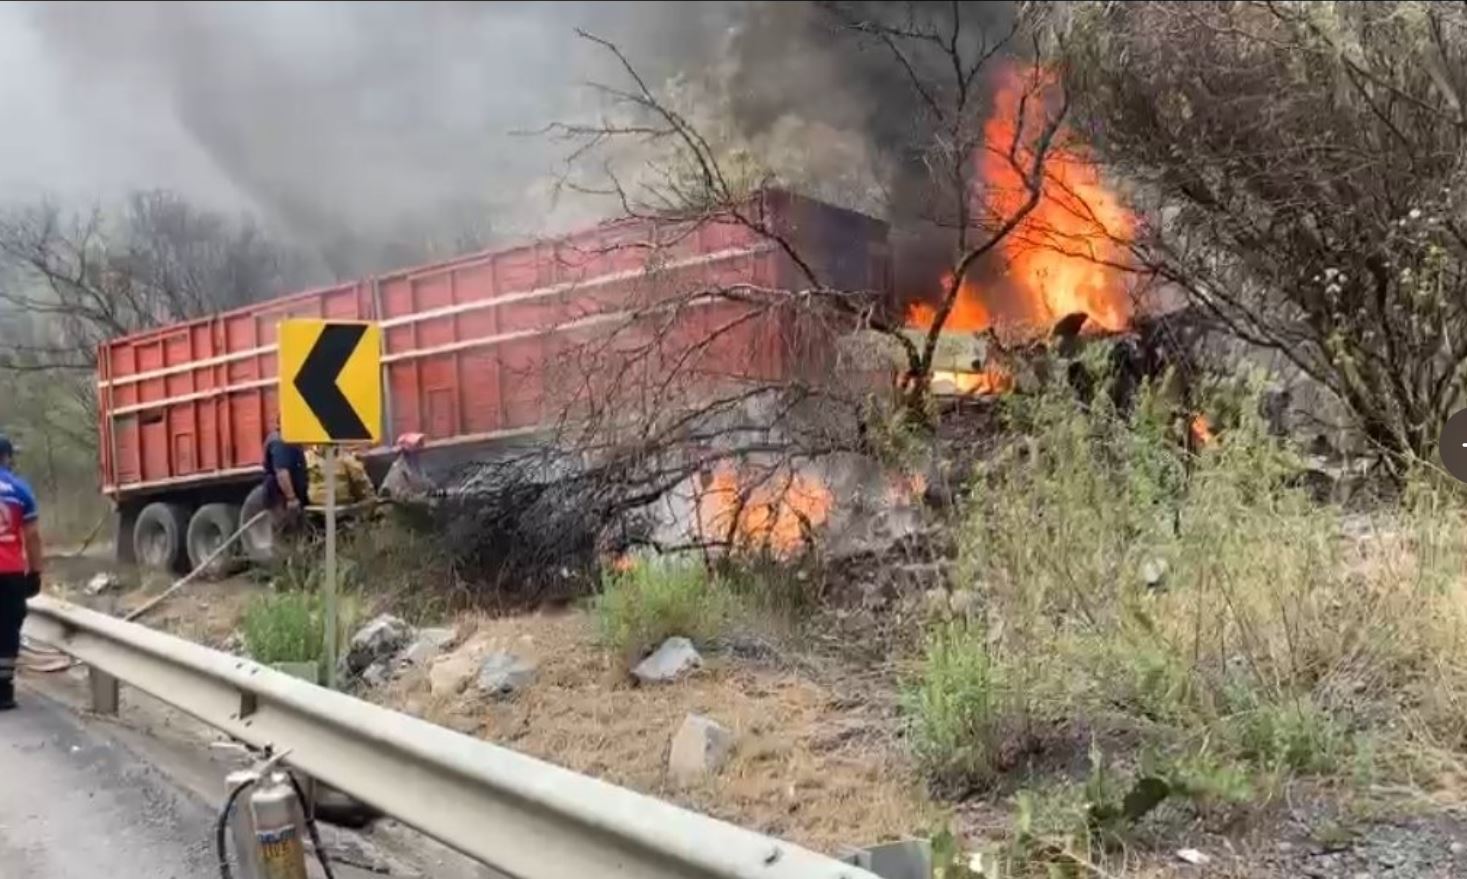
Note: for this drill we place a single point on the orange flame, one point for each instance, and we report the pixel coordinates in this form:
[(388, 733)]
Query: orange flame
[(1063, 256), (1199, 429), (968, 315), (775, 515)]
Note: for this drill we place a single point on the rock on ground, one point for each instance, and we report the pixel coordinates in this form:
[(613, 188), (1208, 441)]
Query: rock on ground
[(101, 583), (428, 644), (377, 674), (503, 673), (699, 747), (380, 639), (1153, 573), (669, 662)]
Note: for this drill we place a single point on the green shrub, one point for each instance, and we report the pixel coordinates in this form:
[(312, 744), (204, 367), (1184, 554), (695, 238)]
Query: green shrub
[(658, 598), (1296, 736), (289, 626), (284, 627), (954, 708)]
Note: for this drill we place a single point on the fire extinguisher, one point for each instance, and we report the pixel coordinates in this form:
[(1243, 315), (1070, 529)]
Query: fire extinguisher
[(276, 813), (268, 826)]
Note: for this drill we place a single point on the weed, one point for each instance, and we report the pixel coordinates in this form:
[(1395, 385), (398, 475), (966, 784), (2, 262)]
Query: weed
[(1050, 839), (1294, 736), (1109, 815), (289, 626), (955, 708), (657, 598), (284, 627), (1209, 782), (786, 592)]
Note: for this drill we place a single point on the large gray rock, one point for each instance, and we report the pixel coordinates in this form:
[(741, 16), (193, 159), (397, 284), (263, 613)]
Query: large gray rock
[(426, 647), (377, 674), (503, 673), (674, 658), (378, 640), (700, 747)]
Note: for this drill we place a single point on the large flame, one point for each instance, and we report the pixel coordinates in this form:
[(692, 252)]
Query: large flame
[(1063, 256), (968, 315), (774, 515)]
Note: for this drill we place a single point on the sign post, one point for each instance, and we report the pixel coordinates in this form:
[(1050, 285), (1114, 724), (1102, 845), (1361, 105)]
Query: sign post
[(328, 584), (330, 394)]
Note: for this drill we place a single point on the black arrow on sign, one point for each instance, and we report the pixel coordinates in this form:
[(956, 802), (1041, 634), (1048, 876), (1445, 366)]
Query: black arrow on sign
[(316, 381)]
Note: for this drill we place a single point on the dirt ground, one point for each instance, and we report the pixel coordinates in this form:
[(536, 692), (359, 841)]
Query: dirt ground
[(206, 612), (815, 762), (816, 759)]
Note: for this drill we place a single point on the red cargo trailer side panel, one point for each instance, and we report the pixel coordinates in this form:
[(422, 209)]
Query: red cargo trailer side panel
[(189, 401), (473, 348)]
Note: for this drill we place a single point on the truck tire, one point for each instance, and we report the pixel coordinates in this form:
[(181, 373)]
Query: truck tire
[(158, 537), (127, 520), (259, 541), (211, 525)]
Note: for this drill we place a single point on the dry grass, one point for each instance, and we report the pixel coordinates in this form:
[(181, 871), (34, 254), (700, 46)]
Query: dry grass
[(1276, 646), (812, 765), (208, 612)]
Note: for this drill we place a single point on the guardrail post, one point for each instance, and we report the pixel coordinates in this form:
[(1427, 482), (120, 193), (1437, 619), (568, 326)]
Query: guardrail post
[(105, 695)]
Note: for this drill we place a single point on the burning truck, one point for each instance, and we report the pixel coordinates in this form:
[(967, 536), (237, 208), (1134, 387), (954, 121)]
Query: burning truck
[(477, 350), (474, 357)]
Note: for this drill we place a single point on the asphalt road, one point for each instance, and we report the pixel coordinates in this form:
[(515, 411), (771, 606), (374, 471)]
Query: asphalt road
[(74, 804)]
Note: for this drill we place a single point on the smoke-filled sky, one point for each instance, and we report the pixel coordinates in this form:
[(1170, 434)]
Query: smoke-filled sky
[(312, 113), (358, 121)]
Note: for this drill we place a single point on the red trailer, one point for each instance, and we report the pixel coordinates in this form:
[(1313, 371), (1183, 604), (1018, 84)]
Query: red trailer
[(185, 408)]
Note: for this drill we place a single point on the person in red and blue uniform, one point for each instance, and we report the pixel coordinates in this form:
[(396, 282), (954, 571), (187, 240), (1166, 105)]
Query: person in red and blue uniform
[(21, 560)]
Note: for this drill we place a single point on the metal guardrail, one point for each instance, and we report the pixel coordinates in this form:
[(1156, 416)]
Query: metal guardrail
[(522, 816)]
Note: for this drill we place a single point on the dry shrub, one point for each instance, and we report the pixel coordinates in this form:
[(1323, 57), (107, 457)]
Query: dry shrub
[(403, 565), (1272, 638)]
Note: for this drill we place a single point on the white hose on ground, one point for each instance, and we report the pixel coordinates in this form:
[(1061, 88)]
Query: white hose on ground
[(38, 658), (188, 578)]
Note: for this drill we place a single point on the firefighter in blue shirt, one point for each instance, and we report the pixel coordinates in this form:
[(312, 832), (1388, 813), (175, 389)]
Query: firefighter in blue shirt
[(21, 560)]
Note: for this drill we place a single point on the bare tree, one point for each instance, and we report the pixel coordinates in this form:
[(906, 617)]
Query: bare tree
[(1302, 167), (69, 281)]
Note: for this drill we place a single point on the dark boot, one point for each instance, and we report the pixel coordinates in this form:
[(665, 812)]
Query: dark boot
[(7, 695)]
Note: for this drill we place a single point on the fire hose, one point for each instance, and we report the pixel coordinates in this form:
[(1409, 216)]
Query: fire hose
[(44, 659)]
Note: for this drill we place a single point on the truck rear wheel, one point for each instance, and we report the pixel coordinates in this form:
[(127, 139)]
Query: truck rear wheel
[(211, 525), (259, 540), (158, 537)]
